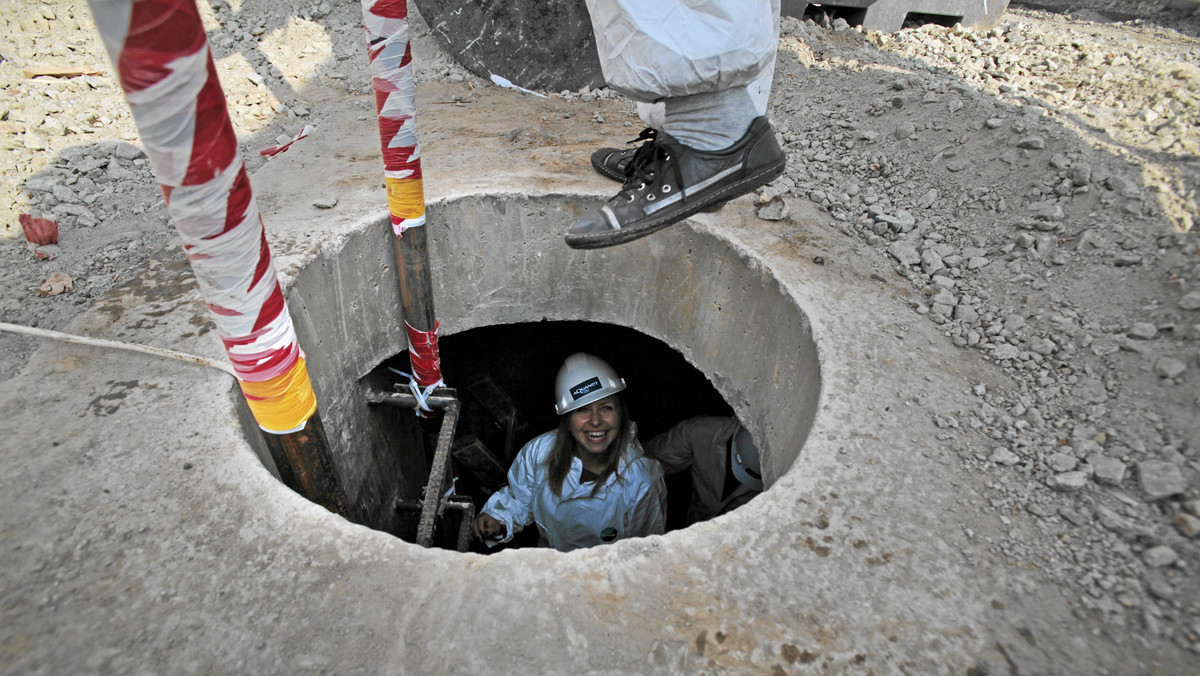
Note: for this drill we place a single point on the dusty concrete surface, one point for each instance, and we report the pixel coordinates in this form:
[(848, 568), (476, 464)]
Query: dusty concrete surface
[(141, 533)]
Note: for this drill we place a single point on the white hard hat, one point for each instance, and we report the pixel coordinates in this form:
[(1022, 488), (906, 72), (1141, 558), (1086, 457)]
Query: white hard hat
[(743, 460), (582, 380)]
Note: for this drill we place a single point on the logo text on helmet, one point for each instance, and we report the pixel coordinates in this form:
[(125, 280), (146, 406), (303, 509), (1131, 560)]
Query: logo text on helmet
[(584, 388)]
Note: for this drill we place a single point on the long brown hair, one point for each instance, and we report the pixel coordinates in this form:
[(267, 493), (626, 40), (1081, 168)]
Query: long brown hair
[(558, 463)]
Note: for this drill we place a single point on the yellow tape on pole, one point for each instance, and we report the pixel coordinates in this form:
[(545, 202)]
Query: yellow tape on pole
[(406, 197), (282, 404)]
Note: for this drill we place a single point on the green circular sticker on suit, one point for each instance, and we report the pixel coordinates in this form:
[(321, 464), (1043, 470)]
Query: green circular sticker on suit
[(608, 534)]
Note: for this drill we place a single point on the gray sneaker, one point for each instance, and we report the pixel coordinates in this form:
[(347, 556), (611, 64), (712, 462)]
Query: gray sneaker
[(666, 182), (615, 163)]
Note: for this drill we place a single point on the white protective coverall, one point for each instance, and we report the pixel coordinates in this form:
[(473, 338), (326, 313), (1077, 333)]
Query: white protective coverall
[(633, 506), (650, 51)]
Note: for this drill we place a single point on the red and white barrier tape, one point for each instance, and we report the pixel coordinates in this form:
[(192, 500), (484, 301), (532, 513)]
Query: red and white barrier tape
[(160, 51)]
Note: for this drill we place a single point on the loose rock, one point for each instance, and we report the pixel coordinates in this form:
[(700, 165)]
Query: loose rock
[(1061, 462), (1188, 525), (1169, 367), (1108, 471), (774, 210), (1159, 479), (1067, 482), (1091, 390), (1157, 557), (1143, 330), (904, 252), (1003, 456)]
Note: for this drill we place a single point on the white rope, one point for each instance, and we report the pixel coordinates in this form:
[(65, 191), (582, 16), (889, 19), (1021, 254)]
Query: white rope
[(116, 344), (421, 395)]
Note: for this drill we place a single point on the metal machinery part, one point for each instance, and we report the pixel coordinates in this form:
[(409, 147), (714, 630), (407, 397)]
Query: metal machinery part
[(548, 45), (543, 45), (889, 15)]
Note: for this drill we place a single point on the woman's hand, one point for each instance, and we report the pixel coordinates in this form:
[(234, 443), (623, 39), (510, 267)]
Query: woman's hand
[(487, 527)]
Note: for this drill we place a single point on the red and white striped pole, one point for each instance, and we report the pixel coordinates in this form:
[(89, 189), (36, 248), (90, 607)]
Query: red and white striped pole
[(160, 51), (386, 22)]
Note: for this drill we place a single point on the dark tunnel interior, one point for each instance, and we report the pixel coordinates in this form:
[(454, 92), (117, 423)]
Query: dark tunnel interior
[(504, 376)]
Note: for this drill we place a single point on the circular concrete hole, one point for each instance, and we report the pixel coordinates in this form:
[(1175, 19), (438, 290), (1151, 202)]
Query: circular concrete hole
[(712, 313)]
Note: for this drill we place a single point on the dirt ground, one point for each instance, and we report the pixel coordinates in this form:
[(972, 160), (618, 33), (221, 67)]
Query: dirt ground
[(1034, 184)]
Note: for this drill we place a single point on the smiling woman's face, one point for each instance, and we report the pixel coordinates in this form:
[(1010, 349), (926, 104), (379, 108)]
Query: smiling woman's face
[(595, 426)]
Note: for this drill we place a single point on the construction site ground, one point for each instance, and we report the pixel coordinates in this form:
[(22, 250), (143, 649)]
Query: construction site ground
[(993, 235)]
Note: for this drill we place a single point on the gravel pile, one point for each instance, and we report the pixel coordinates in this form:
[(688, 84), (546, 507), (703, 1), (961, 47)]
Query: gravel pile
[(1003, 176)]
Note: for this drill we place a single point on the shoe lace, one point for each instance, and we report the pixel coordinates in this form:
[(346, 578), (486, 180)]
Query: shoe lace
[(645, 163), (646, 138), (647, 134)]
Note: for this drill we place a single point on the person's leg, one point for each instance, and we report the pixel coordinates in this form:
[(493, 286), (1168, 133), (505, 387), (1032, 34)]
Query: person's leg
[(705, 122), (713, 120), (653, 115), (714, 143)]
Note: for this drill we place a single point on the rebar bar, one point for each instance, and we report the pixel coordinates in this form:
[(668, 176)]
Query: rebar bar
[(437, 474)]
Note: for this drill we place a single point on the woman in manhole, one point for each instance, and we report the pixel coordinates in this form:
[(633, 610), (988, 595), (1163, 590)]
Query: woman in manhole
[(586, 483)]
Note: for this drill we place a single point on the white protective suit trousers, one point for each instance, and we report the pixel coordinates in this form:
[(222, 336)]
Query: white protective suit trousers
[(654, 49), (693, 51)]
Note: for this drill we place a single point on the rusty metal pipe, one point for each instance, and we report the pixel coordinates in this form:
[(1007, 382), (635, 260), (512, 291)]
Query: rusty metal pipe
[(390, 56), (440, 398)]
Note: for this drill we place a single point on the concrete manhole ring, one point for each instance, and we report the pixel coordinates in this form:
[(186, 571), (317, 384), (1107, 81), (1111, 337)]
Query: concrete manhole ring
[(500, 260)]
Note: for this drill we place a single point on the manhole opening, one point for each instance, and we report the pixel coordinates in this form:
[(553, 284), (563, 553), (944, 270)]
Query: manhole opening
[(499, 266), (504, 376)]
